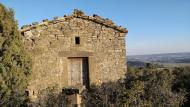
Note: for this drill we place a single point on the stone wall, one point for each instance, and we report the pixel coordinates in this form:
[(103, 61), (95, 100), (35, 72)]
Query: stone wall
[(50, 43)]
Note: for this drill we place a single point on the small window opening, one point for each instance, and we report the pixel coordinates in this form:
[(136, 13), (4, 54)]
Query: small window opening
[(77, 40), (27, 93)]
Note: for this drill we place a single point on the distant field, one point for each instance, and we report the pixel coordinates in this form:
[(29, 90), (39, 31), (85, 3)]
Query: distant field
[(176, 64), (167, 59), (141, 64)]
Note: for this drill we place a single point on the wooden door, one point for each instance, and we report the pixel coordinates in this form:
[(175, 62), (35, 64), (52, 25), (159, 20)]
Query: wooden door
[(75, 72)]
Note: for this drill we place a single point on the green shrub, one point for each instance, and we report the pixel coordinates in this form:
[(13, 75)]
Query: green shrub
[(15, 65), (142, 87)]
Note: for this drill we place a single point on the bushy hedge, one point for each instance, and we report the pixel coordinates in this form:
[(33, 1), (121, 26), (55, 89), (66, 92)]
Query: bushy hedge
[(143, 87)]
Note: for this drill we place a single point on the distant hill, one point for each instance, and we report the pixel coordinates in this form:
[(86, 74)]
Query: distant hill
[(177, 58)]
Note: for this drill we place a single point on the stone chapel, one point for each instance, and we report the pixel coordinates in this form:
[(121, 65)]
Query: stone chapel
[(74, 51)]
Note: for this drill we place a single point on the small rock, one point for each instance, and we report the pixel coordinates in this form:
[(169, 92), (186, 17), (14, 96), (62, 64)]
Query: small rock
[(56, 18), (45, 20), (25, 26), (34, 23)]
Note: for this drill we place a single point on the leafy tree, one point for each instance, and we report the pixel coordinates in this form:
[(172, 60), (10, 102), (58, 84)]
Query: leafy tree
[(152, 87), (15, 65)]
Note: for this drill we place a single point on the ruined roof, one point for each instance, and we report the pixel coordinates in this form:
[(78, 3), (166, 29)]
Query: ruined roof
[(76, 14)]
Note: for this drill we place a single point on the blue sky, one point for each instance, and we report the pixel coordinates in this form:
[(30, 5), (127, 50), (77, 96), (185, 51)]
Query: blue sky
[(155, 26)]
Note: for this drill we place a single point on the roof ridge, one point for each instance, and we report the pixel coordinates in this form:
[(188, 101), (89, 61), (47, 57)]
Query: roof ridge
[(76, 14)]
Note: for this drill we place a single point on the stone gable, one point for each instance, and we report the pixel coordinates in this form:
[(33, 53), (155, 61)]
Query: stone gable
[(74, 51)]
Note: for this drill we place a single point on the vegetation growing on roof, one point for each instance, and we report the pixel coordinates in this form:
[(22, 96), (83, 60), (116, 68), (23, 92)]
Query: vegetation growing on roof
[(77, 14)]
